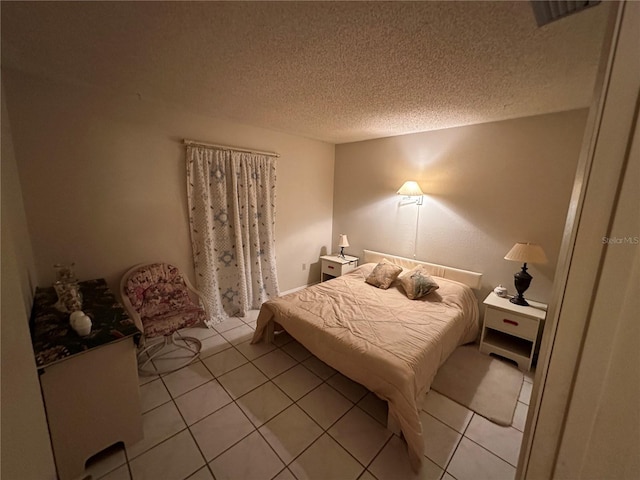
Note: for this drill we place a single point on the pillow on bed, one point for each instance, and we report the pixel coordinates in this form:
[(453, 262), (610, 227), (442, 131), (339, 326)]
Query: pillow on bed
[(417, 282), (383, 275)]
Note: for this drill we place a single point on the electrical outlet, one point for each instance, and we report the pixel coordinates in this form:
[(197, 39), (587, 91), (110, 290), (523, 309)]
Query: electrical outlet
[(304, 266)]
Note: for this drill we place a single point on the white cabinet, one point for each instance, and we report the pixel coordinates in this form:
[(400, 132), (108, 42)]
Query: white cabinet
[(512, 331), (335, 266), (89, 384)]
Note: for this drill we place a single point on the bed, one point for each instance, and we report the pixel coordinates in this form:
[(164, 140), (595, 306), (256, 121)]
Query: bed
[(380, 338)]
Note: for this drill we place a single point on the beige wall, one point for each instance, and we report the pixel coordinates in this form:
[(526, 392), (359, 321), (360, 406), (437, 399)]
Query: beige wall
[(487, 187), (26, 449), (104, 185)]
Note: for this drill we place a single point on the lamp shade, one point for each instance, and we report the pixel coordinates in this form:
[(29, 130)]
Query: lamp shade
[(410, 189), (344, 241), (526, 253)]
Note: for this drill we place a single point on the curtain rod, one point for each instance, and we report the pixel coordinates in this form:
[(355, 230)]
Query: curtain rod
[(226, 147)]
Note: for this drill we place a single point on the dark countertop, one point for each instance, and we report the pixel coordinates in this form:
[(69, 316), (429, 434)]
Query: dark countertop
[(52, 336)]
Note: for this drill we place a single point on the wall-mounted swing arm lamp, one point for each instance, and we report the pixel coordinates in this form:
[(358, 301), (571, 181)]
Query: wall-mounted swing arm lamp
[(412, 189)]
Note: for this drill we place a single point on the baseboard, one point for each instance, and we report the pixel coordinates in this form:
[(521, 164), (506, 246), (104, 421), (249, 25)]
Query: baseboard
[(297, 289)]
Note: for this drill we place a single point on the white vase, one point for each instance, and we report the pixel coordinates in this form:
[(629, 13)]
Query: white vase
[(81, 323)]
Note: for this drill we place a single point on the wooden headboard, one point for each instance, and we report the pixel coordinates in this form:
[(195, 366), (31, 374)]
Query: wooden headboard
[(471, 279)]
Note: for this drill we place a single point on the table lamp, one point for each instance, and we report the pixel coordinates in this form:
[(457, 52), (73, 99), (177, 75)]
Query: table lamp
[(526, 253), (343, 242)]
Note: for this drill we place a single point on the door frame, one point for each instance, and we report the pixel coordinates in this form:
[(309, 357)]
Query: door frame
[(571, 324)]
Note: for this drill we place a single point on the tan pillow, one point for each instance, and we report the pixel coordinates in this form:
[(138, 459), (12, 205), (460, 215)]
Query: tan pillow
[(417, 282), (383, 275)]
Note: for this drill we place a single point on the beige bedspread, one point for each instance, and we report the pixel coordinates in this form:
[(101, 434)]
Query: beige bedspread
[(380, 338)]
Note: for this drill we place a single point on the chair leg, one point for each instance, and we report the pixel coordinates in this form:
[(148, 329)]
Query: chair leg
[(158, 350)]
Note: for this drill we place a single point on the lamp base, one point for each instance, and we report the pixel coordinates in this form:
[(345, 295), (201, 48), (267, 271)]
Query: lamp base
[(341, 254), (522, 280), (519, 300)]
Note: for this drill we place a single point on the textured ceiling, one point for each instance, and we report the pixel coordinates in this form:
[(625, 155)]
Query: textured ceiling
[(335, 71)]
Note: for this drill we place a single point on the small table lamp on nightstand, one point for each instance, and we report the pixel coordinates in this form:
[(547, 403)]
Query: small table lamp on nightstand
[(343, 242), (526, 253)]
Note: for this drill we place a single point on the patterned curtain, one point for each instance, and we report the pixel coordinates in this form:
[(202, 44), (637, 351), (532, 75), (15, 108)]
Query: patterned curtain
[(231, 198)]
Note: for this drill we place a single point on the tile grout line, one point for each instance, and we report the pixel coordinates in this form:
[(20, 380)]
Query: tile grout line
[(294, 402), (494, 454), (187, 427), (366, 469), (255, 429), (457, 443), (338, 441), (486, 449), (463, 435), (384, 444), (480, 445), (206, 464), (235, 401), (154, 446)]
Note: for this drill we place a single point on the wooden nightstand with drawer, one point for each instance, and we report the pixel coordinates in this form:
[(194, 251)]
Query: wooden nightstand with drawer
[(334, 266), (512, 331)]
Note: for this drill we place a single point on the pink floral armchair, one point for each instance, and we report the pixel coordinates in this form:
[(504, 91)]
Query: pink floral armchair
[(161, 301)]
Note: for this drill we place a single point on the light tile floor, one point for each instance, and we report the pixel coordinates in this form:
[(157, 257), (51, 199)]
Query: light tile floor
[(277, 412)]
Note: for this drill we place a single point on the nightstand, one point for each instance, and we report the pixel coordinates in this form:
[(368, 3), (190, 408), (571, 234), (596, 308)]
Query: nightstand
[(512, 331), (333, 266)]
